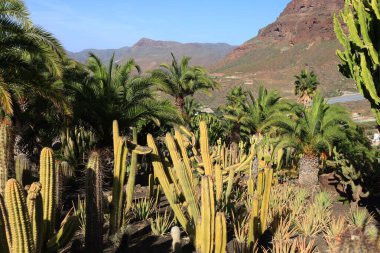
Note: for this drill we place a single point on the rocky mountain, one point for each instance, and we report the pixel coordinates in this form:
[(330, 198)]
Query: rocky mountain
[(301, 37), (150, 53)]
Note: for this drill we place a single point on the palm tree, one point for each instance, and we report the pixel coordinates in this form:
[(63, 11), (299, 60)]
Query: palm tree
[(191, 109), (118, 92), (305, 86), (236, 113), (180, 80), (263, 107), (26, 51), (310, 131)]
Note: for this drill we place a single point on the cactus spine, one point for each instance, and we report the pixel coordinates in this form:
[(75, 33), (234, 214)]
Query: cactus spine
[(4, 154), (35, 210), (48, 191), (94, 205), (20, 227)]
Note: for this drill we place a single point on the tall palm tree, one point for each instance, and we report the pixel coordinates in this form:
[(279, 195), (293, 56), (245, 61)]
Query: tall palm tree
[(305, 86), (180, 80), (118, 92), (310, 131)]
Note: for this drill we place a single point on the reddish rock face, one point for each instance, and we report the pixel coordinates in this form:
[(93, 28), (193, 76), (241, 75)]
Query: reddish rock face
[(301, 21)]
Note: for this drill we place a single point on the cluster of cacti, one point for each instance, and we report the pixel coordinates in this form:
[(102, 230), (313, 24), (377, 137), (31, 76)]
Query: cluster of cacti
[(211, 228), (360, 59), (350, 178), (216, 170), (258, 198), (121, 149), (30, 222), (94, 205)]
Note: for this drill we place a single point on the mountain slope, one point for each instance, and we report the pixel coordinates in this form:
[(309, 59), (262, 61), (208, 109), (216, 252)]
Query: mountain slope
[(150, 53), (301, 37)]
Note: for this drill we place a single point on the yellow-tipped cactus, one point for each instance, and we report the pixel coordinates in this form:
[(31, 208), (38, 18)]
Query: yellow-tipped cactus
[(35, 210), (48, 191), (20, 227)]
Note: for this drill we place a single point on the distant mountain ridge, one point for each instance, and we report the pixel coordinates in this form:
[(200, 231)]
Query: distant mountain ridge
[(301, 37), (150, 53)]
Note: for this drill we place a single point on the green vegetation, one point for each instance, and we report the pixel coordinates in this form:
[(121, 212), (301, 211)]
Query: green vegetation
[(305, 86), (115, 157), (360, 58)]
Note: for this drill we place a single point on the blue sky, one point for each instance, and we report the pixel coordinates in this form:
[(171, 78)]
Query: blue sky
[(100, 24)]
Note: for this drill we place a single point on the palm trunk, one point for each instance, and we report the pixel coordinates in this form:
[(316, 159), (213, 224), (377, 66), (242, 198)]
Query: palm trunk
[(180, 104), (308, 170)]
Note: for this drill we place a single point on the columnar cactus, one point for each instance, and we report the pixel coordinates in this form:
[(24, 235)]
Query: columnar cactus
[(4, 154), (27, 222), (35, 210), (20, 226), (132, 174), (5, 234), (207, 216), (120, 168), (361, 43), (205, 149), (220, 233), (94, 205), (48, 192)]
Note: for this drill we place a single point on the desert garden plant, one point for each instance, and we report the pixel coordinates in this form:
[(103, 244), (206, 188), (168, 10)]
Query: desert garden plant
[(310, 131)]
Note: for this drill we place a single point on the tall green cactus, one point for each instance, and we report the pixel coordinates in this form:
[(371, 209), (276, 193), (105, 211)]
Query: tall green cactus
[(35, 210), (5, 234), (207, 215), (27, 222), (94, 205), (220, 233), (48, 192), (20, 226), (4, 154), (120, 168), (361, 43), (132, 174)]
